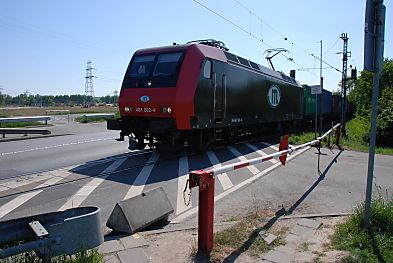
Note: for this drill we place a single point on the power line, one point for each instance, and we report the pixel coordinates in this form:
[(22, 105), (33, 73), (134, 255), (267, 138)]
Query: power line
[(333, 46), (286, 38), (245, 31)]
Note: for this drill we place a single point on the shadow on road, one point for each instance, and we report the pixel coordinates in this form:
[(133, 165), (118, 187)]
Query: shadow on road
[(247, 244), (164, 167)]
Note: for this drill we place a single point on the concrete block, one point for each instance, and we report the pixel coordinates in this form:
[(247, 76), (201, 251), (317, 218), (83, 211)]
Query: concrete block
[(136, 255), (110, 247), (311, 223), (140, 211), (132, 242), (270, 238), (262, 233), (278, 256), (302, 231)]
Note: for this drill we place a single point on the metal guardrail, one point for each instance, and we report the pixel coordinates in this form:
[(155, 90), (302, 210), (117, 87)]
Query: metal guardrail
[(98, 115), (26, 119), (52, 234), (5, 131), (58, 111)]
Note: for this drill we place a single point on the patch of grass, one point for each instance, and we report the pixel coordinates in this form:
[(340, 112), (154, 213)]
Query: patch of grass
[(237, 236), (301, 138), (40, 111), (20, 124), (91, 256), (357, 134), (305, 246), (231, 219), (373, 245)]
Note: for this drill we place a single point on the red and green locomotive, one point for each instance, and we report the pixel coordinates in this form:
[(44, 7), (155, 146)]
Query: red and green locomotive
[(198, 93)]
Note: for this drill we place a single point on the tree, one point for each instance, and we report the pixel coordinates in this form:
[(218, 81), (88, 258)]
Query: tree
[(361, 95)]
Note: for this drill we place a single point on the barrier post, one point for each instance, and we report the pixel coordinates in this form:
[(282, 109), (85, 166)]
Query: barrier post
[(205, 181), (338, 138)]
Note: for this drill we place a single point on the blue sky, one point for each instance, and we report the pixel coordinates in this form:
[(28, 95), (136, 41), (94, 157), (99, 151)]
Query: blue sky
[(45, 44)]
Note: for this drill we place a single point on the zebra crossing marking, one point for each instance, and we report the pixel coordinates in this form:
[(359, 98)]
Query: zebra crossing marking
[(26, 180), (141, 179), (194, 210), (270, 145), (181, 182), (23, 198), (260, 152), (226, 183), (80, 196), (251, 168)]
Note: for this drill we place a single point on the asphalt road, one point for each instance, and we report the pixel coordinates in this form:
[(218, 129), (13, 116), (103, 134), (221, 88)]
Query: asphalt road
[(76, 143), (101, 172)]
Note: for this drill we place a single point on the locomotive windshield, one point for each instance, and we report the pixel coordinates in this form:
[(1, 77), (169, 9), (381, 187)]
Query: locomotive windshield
[(155, 70), (141, 66)]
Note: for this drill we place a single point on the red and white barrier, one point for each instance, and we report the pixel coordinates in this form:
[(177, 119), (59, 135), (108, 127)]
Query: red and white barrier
[(205, 181), (281, 154)]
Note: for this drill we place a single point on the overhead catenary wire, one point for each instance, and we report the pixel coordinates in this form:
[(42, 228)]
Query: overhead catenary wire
[(285, 37), (245, 31)]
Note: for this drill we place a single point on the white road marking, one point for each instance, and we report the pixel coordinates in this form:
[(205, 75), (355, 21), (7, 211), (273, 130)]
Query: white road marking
[(223, 178), (270, 145), (55, 146), (26, 180), (141, 179), (109, 159), (251, 168), (181, 183), (80, 196), (250, 180), (260, 152), (23, 198)]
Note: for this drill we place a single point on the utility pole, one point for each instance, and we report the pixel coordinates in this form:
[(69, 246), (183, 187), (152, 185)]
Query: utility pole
[(115, 97), (373, 60), (344, 37), (321, 96), (89, 90)]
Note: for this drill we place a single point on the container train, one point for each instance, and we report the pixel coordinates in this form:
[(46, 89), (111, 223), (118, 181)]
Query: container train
[(198, 93)]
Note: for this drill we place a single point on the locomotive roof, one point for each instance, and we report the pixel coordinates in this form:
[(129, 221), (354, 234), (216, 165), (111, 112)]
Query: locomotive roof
[(221, 55)]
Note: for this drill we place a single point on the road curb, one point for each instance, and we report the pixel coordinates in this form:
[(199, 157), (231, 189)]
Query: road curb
[(31, 137)]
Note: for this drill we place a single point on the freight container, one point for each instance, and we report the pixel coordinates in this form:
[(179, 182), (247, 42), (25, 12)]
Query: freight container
[(309, 101)]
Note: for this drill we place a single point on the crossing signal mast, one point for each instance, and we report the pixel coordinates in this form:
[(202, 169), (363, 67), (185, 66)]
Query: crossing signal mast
[(346, 54), (89, 89)]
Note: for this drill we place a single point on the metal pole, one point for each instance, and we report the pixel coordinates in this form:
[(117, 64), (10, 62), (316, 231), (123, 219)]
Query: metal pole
[(378, 61), (316, 116), (344, 37), (321, 96)]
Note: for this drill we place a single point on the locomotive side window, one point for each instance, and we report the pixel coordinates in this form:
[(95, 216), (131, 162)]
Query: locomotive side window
[(166, 64), (141, 67), (207, 69)]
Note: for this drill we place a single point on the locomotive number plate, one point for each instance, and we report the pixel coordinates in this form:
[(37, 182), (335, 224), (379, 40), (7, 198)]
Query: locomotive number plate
[(146, 110)]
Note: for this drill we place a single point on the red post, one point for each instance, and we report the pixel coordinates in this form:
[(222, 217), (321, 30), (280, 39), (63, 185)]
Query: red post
[(205, 181)]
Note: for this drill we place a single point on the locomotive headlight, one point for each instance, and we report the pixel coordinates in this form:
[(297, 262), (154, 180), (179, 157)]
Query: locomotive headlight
[(166, 110), (127, 109)]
